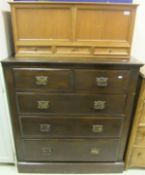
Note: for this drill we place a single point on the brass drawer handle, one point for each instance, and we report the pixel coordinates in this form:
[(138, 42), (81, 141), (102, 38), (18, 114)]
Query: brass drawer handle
[(99, 105), (45, 127), (102, 81), (97, 128), (41, 80), (43, 104), (95, 151), (47, 150)]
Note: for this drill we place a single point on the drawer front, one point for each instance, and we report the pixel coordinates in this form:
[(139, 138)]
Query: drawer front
[(138, 157), (58, 127), (43, 79), (115, 81), (64, 50), (70, 150), (34, 50), (142, 117), (71, 103), (140, 137), (111, 51)]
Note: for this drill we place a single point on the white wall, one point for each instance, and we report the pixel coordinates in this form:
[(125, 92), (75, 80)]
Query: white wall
[(138, 47), (5, 47), (7, 154)]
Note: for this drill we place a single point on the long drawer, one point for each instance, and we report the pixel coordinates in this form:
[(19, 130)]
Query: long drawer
[(70, 150), (58, 127), (71, 103)]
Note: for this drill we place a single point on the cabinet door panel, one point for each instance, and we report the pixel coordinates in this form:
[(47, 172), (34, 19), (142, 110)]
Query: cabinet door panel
[(97, 24), (44, 23)]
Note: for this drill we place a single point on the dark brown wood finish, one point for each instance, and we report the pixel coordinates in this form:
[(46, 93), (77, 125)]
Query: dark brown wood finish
[(70, 150), (70, 127), (28, 103), (60, 129), (71, 167), (62, 80), (116, 80), (43, 79)]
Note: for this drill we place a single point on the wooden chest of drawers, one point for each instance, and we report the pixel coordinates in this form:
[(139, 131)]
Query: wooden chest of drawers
[(72, 29), (135, 156), (70, 116)]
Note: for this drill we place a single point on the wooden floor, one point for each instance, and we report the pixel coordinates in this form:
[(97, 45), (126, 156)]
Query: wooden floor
[(12, 170)]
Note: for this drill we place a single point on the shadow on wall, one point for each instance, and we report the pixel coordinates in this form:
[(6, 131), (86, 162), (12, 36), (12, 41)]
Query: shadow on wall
[(8, 32)]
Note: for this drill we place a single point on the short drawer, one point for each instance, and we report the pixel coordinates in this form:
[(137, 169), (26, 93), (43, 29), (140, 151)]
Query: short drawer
[(142, 116), (58, 127), (64, 50), (111, 51), (71, 103), (43, 79), (34, 50), (140, 137), (137, 158), (70, 150), (115, 81)]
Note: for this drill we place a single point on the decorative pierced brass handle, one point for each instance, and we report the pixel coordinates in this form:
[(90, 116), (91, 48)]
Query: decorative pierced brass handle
[(97, 128), (95, 151), (41, 80), (45, 127), (47, 150), (43, 104), (102, 81), (99, 105)]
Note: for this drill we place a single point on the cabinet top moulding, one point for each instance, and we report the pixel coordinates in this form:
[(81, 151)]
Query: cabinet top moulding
[(74, 2), (73, 29)]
